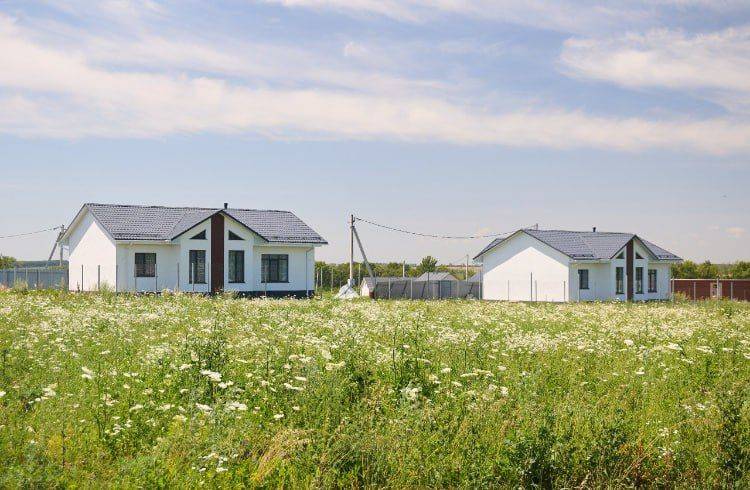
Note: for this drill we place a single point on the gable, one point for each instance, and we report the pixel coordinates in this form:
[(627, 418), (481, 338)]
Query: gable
[(524, 241)]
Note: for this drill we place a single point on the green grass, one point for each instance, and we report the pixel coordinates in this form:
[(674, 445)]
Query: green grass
[(124, 391)]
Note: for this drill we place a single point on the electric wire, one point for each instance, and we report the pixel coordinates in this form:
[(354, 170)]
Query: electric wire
[(17, 235), (428, 235)]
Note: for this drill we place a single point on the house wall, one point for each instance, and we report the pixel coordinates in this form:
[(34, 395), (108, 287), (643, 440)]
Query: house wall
[(91, 259), (167, 256), (301, 268), (602, 278), (524, 269), (601, 281)]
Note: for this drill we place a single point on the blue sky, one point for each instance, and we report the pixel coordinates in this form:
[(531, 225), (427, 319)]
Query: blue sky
[(434, 115)]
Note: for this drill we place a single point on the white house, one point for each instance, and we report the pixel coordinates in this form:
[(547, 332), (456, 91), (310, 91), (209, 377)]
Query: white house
[(206, 250), (555, 265)]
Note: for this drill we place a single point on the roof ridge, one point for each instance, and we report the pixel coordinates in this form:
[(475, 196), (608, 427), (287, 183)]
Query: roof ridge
[(582, 231), (194, 208)]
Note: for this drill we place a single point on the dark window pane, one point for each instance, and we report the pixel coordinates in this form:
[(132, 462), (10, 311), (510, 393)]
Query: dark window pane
[(200, 236), (234, 236), (652, 280), (197, 272), (274, 268), (639, 280), (236, 266), (583, 279), (145, 264), (619, 280)]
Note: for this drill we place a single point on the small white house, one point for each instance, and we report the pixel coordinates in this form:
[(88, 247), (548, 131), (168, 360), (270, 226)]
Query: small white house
[(556, 265), (207, 250)]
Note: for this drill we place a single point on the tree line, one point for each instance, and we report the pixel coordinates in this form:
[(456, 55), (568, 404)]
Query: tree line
[(335, 275), (706, 270)]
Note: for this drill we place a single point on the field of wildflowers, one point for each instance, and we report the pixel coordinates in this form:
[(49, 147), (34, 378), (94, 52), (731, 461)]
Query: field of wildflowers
[(117, 390)]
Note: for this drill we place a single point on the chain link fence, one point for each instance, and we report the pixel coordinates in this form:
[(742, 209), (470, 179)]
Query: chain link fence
[(408, 288), (34, 278)]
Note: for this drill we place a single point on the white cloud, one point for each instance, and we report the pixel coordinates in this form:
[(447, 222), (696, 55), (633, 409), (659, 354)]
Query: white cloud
[(716, 65), (69, 93), (736, 231)]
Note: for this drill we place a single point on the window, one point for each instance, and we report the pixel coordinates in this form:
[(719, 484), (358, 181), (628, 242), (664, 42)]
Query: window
[(200, 236), (583, 278), (638, 256), (652, 280), (639, 280), (621, 256), (236, 265), (145, 264), (619, 280), (197, 272), (274, 268), (234, 236)]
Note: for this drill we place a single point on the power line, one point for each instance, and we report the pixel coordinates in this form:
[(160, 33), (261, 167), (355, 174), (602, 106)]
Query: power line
[(428, 235), (30, 233)]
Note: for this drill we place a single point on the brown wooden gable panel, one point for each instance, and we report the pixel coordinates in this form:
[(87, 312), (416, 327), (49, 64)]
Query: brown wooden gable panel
[(217, 253), (629, 270)]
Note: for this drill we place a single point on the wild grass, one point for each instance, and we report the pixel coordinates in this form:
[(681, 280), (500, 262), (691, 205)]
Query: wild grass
[(104, 390)]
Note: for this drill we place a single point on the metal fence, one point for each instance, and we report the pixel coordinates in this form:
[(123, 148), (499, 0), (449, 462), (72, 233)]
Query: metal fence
[(34, 278), (414, 289)]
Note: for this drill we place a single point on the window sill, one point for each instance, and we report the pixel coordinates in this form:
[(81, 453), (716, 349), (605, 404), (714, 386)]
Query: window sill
[(275, 282), (198, 283), (145, 277), (236, 282)]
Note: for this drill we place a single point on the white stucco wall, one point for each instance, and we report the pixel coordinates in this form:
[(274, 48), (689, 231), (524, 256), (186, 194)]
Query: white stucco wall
[(301, 267), (166, 267), (91, 256), (601, 281), (524, 269)]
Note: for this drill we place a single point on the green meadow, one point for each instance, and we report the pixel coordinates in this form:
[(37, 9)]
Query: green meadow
[(105, 390)]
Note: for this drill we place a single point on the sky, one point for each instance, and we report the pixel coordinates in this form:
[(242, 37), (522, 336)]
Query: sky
[(443, 117)]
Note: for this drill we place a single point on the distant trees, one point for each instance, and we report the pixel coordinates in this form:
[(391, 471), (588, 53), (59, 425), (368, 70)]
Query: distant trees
[(706, 270), (428, 264), (7, 262), (740, 270)]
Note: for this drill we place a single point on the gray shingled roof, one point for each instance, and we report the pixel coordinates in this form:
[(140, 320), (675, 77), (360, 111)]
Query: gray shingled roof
[(130, 222), (437, 276), (588, 245)]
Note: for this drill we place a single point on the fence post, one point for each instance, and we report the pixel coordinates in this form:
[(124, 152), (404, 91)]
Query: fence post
[(98, 277), (82, 286), (156, 278), (531, 286), (117, 276)]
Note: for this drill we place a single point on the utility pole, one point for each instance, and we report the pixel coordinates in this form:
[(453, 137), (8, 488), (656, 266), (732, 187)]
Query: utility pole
[(351, 251), (62, 232)]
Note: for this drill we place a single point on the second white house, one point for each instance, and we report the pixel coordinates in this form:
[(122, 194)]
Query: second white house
[(557, 265), (207, 250)]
